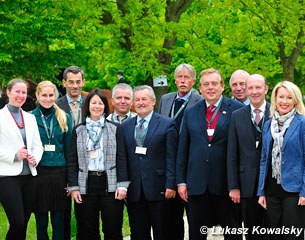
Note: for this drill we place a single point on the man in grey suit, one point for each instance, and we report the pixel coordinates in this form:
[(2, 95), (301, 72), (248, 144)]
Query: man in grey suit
[(71, 103), (244, 151), (173, 105)]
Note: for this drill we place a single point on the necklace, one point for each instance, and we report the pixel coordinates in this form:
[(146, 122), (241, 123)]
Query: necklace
[(18, 125)]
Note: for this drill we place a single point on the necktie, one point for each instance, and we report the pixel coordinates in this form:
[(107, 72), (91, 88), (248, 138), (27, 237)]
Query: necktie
[(257, 117), (210, 111), (178, 103), (140, 133), (74, 104)]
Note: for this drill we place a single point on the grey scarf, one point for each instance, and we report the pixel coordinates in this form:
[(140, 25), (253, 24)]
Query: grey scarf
[(278, 137)]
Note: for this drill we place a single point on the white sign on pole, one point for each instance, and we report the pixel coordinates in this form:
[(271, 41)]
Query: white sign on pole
[(160, 81)]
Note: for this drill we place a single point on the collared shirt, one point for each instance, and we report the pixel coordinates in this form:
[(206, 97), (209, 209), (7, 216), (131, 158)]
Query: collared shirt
[(216, 104), (184, 97), (262, 109), (70, 100), (147, 120), (115, 116)]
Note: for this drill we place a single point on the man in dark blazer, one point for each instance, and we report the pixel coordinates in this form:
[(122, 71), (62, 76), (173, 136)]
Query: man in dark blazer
[(151, 166), (244, 152), (202, 159), (173, 105), (73, 80), (71, 103)]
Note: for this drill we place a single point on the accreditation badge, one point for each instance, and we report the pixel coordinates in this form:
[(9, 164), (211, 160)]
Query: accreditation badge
[(49, 148)]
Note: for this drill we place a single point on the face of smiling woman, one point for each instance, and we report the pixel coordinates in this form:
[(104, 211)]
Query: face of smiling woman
[(284, 101), (17, 95), (96, 107)]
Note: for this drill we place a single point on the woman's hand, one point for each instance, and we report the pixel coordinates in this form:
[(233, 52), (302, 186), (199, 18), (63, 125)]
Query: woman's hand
[(31, 160), (22, 153), (76, 196), (262, 202), (120, 194)]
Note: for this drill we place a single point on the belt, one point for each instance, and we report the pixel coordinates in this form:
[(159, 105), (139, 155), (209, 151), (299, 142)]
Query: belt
[(96, 173)]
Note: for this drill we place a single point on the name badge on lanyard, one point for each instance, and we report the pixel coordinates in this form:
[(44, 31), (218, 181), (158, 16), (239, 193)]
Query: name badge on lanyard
[(141, 150), (49, 148)]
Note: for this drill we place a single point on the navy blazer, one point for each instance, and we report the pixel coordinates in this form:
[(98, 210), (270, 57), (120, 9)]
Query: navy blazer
[(168, 99), (155, 171), (202, 164), (243, 156), (293, 157)]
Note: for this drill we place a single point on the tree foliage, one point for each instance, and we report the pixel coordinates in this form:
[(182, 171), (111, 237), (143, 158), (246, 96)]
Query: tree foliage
[(147, 38)]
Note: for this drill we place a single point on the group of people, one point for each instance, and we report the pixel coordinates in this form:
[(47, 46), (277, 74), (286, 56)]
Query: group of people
[(224, 161)]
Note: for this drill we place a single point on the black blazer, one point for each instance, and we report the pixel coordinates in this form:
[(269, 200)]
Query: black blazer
[(64, 105), (243, 157), (202, 164), (155, 171)]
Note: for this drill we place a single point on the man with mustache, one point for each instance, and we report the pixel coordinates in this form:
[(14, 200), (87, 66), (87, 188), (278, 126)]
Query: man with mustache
[(173, 105)]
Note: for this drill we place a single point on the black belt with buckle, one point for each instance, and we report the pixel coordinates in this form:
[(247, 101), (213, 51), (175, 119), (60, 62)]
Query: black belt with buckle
[(96, 173)]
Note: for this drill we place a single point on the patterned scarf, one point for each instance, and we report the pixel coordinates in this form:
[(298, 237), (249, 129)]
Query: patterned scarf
[(278, 137), (95, 141)]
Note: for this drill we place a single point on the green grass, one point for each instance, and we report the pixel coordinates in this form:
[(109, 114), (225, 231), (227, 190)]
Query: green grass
[(31, 231)]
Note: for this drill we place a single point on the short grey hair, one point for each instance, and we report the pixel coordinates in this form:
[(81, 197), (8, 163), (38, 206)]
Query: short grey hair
[(187, 67), (144, 87), (123, 86), (241, 72)]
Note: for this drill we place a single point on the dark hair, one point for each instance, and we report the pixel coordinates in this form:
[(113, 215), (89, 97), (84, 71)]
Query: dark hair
[(73, 69), (102, 96), (120, 72), (15, 81)]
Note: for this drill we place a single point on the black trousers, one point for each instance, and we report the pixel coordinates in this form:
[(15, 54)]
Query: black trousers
[(206, 209), (67, 218), (284, 211), (175, 223), (95, 205), (144, 215), (253, 215), (17, 196)]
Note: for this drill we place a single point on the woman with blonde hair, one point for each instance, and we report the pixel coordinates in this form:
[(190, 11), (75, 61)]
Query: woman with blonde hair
[(55, 128), (282, 169)]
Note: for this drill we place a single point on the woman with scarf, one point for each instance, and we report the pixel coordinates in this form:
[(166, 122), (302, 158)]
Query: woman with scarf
[(97, 171), (55, 128), (20, 153), (282, 169)]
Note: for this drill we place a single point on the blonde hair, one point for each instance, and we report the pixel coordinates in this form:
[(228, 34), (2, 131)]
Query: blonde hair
[(295, 93), (59, 113)]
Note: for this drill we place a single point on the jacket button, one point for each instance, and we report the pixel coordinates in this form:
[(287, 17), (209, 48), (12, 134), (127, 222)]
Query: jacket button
[(209, 145)]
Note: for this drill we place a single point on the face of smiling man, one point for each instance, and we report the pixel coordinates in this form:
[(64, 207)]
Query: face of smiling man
[(143, 102)]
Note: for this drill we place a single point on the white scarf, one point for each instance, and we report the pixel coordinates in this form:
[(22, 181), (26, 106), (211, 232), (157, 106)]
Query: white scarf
[(95, 131), (278, 137)]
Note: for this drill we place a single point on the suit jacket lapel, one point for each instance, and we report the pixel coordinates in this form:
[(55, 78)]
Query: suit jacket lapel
[(291, 129), (169, 104), (248, 124), (201, 107), (153, 124), (223, 116)]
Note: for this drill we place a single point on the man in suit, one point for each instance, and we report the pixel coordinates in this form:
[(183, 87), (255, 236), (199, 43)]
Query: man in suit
[(151, 145), (121, 102), (244, 152), (173, 105), (73, 80), (121, 77), (238, 86), (202, 157)]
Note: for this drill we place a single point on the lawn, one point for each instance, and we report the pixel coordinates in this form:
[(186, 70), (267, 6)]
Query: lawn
[(31, 232)]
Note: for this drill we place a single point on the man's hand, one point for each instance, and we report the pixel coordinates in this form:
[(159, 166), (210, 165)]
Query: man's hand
[(182, 190), (235, 195)]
